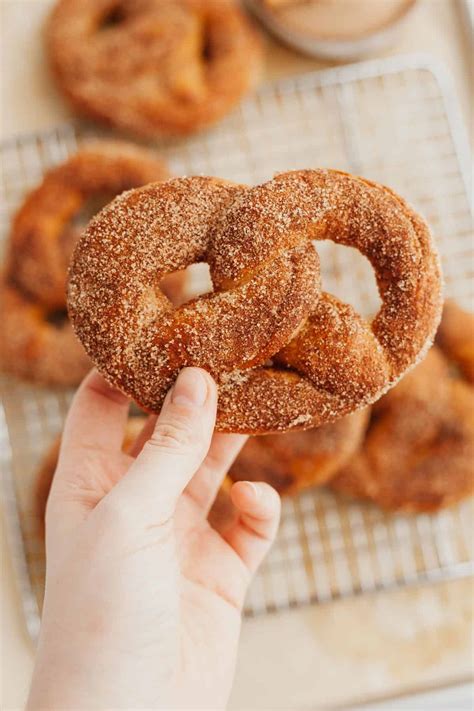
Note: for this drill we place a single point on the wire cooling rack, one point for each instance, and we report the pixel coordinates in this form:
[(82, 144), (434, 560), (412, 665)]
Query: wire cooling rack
[(392, 120)]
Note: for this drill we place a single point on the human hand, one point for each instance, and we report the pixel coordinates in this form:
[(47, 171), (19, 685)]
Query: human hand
[(143, 597)]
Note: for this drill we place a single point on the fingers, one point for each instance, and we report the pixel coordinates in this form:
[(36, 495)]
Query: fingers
[(203, 487), (252, 535), (97, 417), (176, 449), (93, 431)]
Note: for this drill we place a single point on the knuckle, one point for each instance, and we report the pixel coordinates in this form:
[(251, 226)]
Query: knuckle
[(176, 435)]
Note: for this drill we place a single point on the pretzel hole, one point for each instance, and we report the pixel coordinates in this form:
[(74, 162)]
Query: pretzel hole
[(57, 318), (114, 16), (208, 46), (90, 207), (347, 274), (187, 284), (73, 229)]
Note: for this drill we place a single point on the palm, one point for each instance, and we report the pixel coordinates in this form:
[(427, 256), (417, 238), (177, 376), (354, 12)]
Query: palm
[(205, 558), (212, 583)]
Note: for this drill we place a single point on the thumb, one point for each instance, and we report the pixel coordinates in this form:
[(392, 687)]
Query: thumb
[(176, 449)]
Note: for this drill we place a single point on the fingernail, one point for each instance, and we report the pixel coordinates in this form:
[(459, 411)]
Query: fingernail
[(253, 488), (190, 388)]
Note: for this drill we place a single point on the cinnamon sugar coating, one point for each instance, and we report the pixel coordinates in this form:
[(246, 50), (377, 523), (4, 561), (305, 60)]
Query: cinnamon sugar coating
[(325, 361), (153, 66), (130, 328)]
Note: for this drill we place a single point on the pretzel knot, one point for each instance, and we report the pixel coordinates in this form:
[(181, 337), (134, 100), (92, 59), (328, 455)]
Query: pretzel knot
[(285, 355)]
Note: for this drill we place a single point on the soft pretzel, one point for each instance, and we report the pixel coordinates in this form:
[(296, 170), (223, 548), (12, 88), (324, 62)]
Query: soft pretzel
[(455, 337), (326, 360), (150, 66), (44, 231), (297, 460), (38, 344), (418, 453)]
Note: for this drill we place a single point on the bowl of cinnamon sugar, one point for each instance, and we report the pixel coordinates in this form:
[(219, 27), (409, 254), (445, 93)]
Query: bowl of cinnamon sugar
[(334, 29)]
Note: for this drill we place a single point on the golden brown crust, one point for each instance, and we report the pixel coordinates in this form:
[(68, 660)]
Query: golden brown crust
[(153, 66), (418, 454), (328, 204), (36, 344), (43, 232), (327, 361), (346, 363), (455, 337), (297, 460)]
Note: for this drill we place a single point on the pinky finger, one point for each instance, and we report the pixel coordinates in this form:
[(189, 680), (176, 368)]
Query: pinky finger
[(253, 533)]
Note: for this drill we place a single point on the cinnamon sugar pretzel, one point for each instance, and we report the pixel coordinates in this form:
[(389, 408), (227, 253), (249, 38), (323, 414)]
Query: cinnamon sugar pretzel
[(153, 66), (325, 360), (37, 344), (455, 337)]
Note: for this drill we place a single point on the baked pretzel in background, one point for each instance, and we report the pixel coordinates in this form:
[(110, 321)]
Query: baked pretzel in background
[(36, 340), (455, 337), (153, 66), (418, 451), (295, 461)]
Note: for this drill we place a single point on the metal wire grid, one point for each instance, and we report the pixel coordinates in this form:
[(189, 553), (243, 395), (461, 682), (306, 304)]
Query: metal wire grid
[(392, 120)]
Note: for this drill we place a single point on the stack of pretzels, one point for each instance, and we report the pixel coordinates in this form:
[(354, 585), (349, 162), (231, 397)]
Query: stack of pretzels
[(36, 339), (285, 354)]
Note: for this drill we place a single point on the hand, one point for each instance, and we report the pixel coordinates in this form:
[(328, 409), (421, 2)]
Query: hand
[(143, 597)]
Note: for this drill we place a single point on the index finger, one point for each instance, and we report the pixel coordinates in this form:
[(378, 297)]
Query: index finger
[(97, 417)]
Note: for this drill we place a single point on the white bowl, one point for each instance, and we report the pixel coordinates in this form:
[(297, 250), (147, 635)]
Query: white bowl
[(334, 49)]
